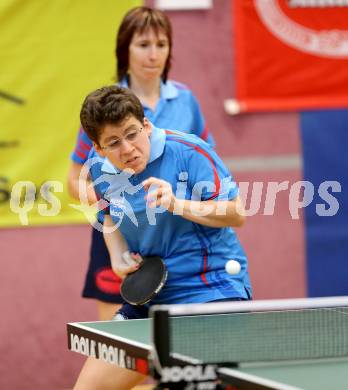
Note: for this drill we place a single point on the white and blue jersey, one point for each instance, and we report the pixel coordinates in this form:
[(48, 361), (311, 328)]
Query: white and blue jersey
[(176, 109), (195, 255)]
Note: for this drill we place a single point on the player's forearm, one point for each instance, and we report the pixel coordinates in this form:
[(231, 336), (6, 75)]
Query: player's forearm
[(122, 262), (114, 241), (88, 196), (211, 213), (79, 185)]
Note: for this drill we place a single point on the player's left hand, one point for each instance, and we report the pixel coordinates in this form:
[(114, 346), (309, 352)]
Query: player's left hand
[(160, 193)]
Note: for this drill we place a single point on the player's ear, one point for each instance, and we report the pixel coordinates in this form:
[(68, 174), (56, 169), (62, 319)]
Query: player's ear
[(99, 149), (147, 126)]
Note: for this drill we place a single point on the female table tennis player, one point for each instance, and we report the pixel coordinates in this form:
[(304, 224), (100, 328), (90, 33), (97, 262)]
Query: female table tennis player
[(168, 195)]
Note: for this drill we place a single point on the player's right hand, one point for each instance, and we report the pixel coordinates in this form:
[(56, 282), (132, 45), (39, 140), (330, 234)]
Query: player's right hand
[(129, 263)]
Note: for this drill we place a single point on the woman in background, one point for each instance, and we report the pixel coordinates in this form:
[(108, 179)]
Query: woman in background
[(143, 55)]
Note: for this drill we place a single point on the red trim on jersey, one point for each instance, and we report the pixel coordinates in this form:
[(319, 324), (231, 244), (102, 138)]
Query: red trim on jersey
[(205, 133), (80, 154), (216, 176), (84, 146), (205, 154), (172, 132), (216, 193), (205, 269)]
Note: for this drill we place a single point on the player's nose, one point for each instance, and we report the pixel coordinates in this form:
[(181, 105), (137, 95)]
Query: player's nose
[(126, 146), (153, 52)]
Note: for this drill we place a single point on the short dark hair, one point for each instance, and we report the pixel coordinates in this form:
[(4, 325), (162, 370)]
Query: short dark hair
[(108, 105), (138, 20)]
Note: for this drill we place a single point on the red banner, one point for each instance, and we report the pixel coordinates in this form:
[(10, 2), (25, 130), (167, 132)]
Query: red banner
[(290, 54)]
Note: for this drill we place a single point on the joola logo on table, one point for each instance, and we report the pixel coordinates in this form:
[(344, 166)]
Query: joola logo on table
[(188, 373), (102, 351)]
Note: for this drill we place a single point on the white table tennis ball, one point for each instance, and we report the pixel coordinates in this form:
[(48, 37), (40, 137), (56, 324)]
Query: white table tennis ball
[(232, 267)]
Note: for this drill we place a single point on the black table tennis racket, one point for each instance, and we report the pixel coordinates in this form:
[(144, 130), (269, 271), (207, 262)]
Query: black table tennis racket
[(141, 286)]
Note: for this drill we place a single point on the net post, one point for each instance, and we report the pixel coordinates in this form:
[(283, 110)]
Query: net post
[(161, 336)]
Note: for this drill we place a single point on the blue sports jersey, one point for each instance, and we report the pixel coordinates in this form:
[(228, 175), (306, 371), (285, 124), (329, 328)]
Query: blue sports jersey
[(176, 109), (195, 255)]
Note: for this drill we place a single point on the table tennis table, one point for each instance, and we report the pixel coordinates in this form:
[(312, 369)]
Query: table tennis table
[(303, 345)]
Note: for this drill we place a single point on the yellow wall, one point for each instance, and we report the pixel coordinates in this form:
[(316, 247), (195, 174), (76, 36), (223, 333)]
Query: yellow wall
[(52, 54)]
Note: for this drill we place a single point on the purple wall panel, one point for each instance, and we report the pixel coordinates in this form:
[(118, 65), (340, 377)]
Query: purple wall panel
[(274, 243), (39, 293)]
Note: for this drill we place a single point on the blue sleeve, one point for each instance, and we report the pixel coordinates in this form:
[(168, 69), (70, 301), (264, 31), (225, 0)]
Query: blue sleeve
[(199, 126), (208, 177), (82, 148)]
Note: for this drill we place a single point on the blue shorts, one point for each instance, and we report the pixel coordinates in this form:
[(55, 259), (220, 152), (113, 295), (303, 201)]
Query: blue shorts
[(101, 282), (132, 312)]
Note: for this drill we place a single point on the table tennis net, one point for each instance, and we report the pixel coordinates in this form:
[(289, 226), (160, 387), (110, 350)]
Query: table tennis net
[(262, 336)]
